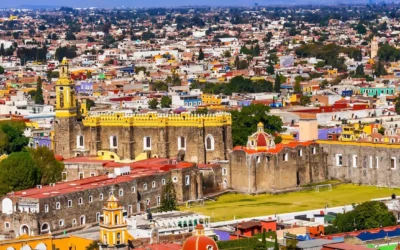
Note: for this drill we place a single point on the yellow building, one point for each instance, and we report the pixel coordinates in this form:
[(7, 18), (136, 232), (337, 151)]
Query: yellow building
[(113, 229), (45, 242), (352, 132), (211, 99)]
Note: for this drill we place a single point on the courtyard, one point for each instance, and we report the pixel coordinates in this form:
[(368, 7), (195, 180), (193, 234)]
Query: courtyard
[(230, 206)]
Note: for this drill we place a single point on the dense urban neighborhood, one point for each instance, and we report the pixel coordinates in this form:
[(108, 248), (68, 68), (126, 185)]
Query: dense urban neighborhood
[(246, 128)]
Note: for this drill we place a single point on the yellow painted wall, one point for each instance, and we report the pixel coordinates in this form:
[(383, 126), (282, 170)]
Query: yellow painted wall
[(63, 243)]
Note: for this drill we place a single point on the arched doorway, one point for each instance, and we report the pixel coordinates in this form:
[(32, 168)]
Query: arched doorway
[(24, 229), (45, 228), (83, 220), (225, 184)]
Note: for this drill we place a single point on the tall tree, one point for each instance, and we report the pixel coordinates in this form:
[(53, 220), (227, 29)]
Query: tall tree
[(17, 172), (153, 103), (165, 102), (168, 198), (2, 50), (39, 92), (360, 71), (201, 55), (50, 168), (277, 85)]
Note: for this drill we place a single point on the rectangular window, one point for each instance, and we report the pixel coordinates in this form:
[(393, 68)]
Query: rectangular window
[(158, 200), (144, 187), (300, 152), (163, 182), (64, 176), (101, 197), (6, 224), (354, 161), (69, 203), (181, 142), (46, 208), (61, 223), (90, 199), (58, 205), (133, 190), (393, 163), (285, 157), (113, 142), (121, 192), (339, 160), (80, 201), (147, 143), (81, 175), (224, 171), (153, 184), (148, 202), (187, 180), (79, 141), (377, 162), (371, 162)]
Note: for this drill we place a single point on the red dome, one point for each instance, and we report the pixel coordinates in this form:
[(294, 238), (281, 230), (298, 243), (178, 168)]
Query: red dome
[(200, 242), (261, 140), (59, 157)]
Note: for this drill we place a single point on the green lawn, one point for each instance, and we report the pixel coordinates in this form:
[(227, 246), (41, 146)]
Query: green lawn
[(231, 206)]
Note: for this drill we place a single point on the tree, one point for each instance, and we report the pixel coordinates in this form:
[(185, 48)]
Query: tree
[(1, 70), (331, 230), (153, 103), (277, 85), (247, 119), (49, 168), (305, 100), (380, 69), (94, 245), (360, 71), (17, 172), (39, 92), (397, 105), (297, 86), (270, 69), (168, 198), (70, 36), (11, 137), (227, 54), (323, 84), (165, 102), (276, 245), (360, 28), (367, 215), (201, 55), (256, 50), (68, 52), (2, 50)]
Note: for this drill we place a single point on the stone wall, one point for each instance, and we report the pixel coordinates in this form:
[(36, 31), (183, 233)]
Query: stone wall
[(361, 164), (266, 172)]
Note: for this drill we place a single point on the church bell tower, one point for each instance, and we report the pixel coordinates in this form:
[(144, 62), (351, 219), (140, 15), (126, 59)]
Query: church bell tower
[(65, 112), (113, 228)]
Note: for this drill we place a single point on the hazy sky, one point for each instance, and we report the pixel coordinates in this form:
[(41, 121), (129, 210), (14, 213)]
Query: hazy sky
[(161, 3)]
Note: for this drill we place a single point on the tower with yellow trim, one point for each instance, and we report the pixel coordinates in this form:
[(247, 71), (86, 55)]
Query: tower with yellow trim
[(113, 229), (65, 111)]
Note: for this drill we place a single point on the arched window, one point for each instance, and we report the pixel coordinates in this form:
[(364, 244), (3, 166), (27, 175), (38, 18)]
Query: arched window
[(116, 219), (45, 228), (79, 141), (209, 142)]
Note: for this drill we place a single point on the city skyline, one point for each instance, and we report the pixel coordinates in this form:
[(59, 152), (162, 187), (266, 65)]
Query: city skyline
[(170, 3)]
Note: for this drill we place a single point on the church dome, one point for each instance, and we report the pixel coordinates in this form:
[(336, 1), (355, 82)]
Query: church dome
[(199, 241)]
